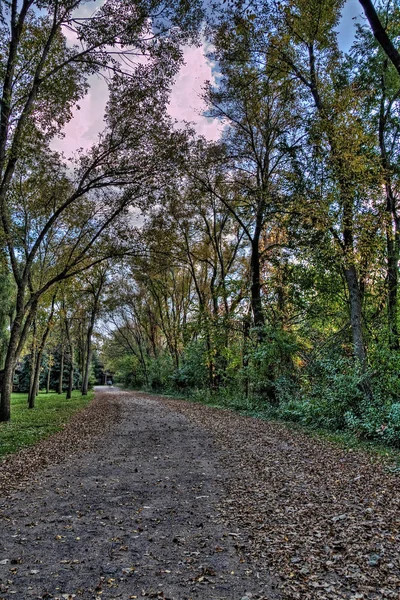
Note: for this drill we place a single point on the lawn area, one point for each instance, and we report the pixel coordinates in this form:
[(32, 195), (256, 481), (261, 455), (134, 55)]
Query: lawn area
[(27, 427)]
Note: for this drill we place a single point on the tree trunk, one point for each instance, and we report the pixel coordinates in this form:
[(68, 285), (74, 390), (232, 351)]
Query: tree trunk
[(6, 388), (256, 304), (60, 381), (71, 371), (70, 378), (33, 360), (48, 379), (88, 357), (8, 373), (355, 314), (380, 33), (35, 388), (392, 228)]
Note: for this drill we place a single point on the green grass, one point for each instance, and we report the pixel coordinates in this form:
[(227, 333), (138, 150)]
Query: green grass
[(27, 427)]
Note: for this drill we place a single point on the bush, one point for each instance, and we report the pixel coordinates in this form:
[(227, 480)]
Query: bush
[(323, 395), (391, 430), (377, 422)]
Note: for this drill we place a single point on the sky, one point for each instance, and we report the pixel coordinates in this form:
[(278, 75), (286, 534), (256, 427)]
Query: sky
[(186, 103)]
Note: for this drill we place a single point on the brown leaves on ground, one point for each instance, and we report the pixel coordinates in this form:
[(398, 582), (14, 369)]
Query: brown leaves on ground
[(325, 520), (79, 435)]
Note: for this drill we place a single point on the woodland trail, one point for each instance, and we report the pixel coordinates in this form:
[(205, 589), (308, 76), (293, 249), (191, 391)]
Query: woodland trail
[(180, 500), (135, 517)]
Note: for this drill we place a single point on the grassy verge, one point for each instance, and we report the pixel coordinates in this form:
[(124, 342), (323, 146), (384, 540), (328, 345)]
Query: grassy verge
[(27, 427)]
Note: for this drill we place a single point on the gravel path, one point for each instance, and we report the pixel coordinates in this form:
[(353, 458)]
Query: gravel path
[(134, 515)]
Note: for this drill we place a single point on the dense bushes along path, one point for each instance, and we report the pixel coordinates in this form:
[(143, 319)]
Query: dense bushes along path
[(178, 500)]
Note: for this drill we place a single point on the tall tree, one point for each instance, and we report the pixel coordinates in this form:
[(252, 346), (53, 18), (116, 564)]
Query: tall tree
[(43, 78)]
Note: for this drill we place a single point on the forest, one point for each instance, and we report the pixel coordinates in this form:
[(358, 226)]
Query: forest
[(262, 272)]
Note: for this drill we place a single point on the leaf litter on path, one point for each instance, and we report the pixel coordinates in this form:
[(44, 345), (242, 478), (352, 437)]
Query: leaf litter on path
[(324, 520)]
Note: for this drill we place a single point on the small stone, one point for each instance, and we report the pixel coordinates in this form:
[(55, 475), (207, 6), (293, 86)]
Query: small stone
[(374, 560)]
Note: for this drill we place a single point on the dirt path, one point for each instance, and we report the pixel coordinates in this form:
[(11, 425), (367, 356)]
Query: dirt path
[(139, 517)]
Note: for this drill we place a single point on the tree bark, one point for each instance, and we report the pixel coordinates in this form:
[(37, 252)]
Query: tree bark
[(380, 33), (9, 367), (48, 379), (35, 387), (71, 351), (60, 381), (36, 372), (96, 290), (256, 304), (33, 359), (70, 377), (356, 314), (88, 357)]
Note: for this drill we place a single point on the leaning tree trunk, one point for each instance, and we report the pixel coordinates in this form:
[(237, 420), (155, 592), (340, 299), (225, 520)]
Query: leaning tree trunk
[(34, 390)]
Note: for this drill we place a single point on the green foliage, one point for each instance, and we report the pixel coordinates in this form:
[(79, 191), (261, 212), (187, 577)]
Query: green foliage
[(192, 374), (159, 372), (128, 372), (266, 284), (272, 364)]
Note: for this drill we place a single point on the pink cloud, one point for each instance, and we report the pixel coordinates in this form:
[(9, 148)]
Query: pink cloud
[(87, 121), (186, 105), (186, 102)]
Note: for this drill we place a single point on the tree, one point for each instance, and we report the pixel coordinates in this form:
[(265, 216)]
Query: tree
[(373, 73), (43, 79), (94, 288)]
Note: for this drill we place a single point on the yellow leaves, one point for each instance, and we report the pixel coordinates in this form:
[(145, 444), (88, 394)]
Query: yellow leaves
[(313, 21)]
